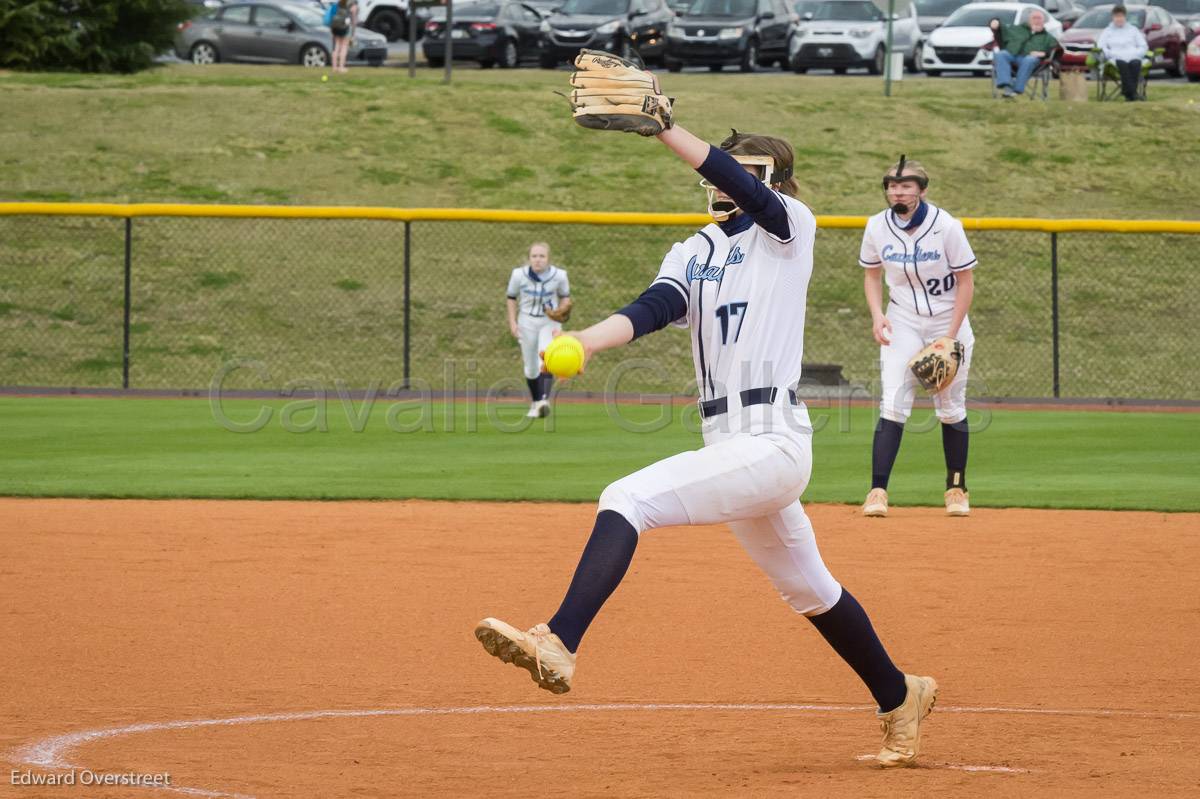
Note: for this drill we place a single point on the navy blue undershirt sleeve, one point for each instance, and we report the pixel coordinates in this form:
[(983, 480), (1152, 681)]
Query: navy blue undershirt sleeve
[(750, 194), (659, 306)]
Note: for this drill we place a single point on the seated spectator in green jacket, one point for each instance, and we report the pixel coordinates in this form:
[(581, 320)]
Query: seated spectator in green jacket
[(1023, 46)]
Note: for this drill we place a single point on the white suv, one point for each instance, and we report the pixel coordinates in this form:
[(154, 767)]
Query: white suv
[(842, 34), (961, 43), (389, 17)]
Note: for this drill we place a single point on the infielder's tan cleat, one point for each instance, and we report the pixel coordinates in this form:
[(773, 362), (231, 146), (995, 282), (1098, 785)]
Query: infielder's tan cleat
[(538, 651), (958, 502), (902, 726), (876, 504)]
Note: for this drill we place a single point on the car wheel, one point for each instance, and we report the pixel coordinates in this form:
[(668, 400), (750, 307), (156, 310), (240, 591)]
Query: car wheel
[(204, 53), (547, 61), (839, 70), (715, 67), (375, 62), (875, 67), (750, 56), (1177, 67), (389, 23), (914, 60), (508, 55), (933, 73), (314, 55), (799, 70), (673, 65)]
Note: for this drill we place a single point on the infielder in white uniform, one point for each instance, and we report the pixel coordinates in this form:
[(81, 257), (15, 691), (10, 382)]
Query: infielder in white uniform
[(534, 289), (929, 266), (740, 285)]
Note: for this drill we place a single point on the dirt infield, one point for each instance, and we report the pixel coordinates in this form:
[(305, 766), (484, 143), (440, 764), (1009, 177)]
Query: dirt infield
[(279, 649)]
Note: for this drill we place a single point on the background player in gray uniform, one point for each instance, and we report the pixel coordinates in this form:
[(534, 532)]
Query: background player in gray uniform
[(534, 289), (740, 285), (929, 265)]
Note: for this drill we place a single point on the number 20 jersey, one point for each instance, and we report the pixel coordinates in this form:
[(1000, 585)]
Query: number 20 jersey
[(920, 268)]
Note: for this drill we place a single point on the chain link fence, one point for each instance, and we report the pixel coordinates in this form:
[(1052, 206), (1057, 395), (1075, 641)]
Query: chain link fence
[(292, 304)]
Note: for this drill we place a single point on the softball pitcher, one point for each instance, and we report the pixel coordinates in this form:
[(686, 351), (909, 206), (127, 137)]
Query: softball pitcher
[(924, 254), (740, 286), (539, 301)]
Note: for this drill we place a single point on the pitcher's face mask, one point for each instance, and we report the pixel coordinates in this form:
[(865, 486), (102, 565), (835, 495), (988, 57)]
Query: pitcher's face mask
[(720, 207)]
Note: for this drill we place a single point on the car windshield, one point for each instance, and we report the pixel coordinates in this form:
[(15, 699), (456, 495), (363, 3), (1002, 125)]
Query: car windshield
[(1100, 17), (977, 17), (724, 8), (849, 10), (938, 8), (1179, 6), (807, 6), (466, 10), (309, 17), (600, 8)]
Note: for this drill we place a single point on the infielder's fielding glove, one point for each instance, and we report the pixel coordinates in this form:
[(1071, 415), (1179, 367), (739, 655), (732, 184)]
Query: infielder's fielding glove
[(936, 365), (611, 93), (562, 313)]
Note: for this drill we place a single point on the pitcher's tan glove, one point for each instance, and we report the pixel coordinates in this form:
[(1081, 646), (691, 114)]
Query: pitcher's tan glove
[(610, 93)]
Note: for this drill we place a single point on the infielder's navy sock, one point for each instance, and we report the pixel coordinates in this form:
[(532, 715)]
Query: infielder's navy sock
[(534, 385), (883, 451), (601, 567), (848, 630), (954, 444)]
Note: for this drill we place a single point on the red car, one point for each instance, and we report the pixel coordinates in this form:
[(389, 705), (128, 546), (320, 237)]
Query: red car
[(1160, 29), (1193, 60)]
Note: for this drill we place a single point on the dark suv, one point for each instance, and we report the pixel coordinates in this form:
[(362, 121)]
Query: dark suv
[(622, 27), (716, 33)]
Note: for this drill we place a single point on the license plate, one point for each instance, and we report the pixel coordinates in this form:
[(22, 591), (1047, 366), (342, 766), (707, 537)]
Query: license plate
[(825, 52), (458, 34)]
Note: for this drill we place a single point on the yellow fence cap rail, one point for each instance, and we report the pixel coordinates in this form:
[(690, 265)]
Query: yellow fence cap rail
[(129, 210)]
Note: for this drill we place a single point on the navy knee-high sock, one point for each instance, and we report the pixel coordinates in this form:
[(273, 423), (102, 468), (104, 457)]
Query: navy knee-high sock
[(883, 451), (547, 385), (534, 384), (954, 444), (848, 630), (604, 562)]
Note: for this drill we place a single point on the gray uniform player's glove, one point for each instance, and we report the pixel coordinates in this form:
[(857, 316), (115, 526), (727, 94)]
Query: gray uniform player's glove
[(936, 365), (611, 93)]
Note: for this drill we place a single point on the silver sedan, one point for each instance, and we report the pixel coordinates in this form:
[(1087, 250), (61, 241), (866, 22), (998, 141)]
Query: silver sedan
[(270, 33)]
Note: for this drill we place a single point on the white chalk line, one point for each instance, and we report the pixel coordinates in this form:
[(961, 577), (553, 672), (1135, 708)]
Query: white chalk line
[(52, 752)]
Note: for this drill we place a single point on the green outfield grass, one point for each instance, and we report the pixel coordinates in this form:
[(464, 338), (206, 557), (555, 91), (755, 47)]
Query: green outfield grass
[(181, 448), (503, 139)]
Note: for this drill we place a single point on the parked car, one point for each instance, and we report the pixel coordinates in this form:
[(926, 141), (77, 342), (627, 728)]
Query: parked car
[(619, 26), (719, 33), (1193, 60), (505, 33), (1160, 29), (1065, 11), (270, 33), (959, 44), (843, 34), (1187, 12), (932, 13), (389, 17)]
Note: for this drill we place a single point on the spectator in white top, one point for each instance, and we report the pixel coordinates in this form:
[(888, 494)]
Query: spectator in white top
[(1125, 46)]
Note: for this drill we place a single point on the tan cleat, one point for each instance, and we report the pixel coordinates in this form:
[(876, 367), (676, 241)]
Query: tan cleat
[(538, 651), (876, 504), (902, 726), (958, 502)]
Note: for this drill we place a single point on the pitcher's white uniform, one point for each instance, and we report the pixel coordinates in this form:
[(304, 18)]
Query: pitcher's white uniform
[(746, 296), (535, 293), (920, 272)]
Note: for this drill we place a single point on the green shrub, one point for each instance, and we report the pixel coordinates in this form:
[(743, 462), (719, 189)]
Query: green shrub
[(87, 35)]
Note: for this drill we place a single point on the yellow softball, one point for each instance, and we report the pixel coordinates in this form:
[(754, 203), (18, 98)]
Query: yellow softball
[(564, 356)]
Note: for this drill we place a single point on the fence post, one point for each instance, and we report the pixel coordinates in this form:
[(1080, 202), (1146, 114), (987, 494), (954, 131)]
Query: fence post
[(1054, 304), (407, 306), (128, 292)]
